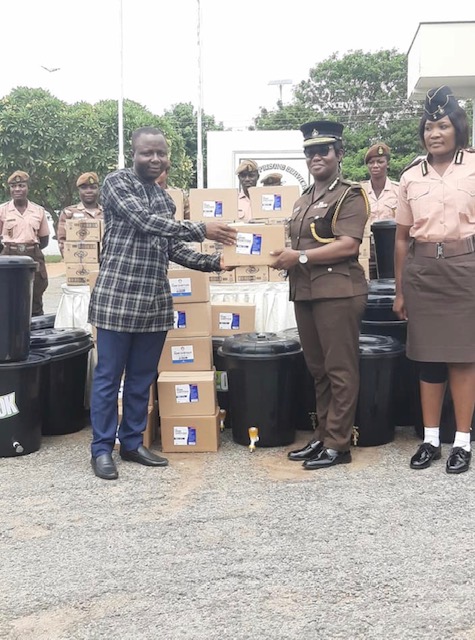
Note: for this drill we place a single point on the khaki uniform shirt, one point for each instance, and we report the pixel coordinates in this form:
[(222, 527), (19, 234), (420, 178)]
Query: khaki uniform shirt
[(343, 279), (439, 208), (244, 207), (76, 211), (23, 228), (384, 206)]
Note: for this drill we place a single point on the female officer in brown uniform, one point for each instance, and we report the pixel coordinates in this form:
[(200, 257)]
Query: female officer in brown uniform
[(329, 290), (435, 273)]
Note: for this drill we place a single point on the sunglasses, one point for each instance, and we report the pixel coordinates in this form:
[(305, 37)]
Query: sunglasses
[(318, 150)]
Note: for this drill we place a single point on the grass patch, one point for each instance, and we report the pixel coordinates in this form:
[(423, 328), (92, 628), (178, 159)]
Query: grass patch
[(53, 258)]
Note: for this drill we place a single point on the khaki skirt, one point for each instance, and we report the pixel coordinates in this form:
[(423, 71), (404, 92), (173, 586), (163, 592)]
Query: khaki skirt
[(439, 296)]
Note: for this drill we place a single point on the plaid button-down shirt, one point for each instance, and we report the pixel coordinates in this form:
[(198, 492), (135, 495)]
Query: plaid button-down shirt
[(132, 293)]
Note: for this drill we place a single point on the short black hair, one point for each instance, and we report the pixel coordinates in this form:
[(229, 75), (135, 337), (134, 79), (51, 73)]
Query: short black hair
[(142, 131), (458, 118)]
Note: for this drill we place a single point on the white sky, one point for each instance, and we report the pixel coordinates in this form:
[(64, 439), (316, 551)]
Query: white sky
[(245, 44)]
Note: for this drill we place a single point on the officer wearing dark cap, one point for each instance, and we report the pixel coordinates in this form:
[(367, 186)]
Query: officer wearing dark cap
[(248, 174), (25, 230), (329, 290), (88, 207), (435, 274), (272, 180)]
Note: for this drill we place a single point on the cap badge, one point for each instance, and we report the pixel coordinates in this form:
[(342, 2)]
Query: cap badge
[(314, 133), (380, 151)]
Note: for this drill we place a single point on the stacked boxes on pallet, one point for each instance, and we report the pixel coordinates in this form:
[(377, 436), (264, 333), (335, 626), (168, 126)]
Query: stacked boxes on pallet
[(81, 250)]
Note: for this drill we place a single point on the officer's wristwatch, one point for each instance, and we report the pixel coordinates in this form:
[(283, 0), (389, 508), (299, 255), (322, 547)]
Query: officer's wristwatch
[(303, 257)]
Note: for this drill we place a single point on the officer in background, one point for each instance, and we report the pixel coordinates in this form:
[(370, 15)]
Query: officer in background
[(382, 192), (248, 174), (329, 290), (272, 180), (88, 207), (25, 231)]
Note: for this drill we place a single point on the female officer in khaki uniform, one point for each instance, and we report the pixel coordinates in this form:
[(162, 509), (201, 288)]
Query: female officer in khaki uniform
[(329, 290), (25, 231), (435, 273)]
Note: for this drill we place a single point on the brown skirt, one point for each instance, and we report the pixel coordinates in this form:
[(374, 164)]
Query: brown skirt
[(439, 296)]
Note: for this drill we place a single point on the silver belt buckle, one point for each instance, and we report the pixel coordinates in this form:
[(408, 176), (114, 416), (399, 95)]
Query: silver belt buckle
[(440, 250)]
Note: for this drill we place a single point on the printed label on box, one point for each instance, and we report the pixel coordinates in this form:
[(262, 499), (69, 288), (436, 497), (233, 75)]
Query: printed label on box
[(212, 209), (271, 202), (249, 244), (221, 379), (184, 436), (179, 319), (180, 286), (186, 393), (229, 321), (183, 354)]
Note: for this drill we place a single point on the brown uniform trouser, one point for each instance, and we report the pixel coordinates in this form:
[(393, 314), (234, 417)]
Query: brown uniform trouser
[(329, 334), (40, 282)]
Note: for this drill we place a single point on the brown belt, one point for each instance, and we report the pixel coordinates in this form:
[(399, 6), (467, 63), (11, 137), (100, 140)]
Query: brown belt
[(444, 249)]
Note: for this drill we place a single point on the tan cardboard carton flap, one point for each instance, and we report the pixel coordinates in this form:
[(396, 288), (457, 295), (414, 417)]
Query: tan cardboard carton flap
[(188, 353), (190, 434), (79, 252), (188, 285), (273, 202), (231, 318), (277, 275), (225, 277), (252, 274), (191, 319), (190, 393), (179, 199), (83, 230), (254, 245), (213, 204)]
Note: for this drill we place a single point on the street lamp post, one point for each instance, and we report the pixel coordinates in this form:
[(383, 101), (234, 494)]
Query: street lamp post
[(120, 109), (280, 84), (199, 123)]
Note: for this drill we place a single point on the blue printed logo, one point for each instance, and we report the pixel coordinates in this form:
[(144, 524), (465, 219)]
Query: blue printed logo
[(235, 322), (191, 436), (256, 245), (194, 393), (218, 209), (277, 202)]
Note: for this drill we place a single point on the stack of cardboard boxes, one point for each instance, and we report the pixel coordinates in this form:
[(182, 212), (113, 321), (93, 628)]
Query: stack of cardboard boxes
[(81, 250)]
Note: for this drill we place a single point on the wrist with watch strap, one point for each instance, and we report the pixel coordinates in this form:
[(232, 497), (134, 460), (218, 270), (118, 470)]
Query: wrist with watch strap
[(303, 257)]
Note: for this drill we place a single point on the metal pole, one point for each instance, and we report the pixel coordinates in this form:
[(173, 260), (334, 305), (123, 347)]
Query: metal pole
[(121, 158), (199, 134)]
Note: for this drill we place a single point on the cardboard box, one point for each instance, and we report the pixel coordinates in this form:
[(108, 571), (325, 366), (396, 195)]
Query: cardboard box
[(80, 274), (188, 285), (225, 277), (273, 202), (191, 319), (81, 252), (190, 434), (277, 275), (190, 393), (178, 198), (189, 353), (211, 247), (231, 318), (83, 230), (252, 274), (213, 204), (365, 247), (93, 277), (254, 245), (364, 262)]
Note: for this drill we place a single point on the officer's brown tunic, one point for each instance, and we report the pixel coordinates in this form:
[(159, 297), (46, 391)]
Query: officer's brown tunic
[(329, 303)]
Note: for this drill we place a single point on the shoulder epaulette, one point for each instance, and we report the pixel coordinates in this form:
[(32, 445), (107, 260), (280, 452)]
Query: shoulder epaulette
[(470, 150), (422, 160), (394, 182)]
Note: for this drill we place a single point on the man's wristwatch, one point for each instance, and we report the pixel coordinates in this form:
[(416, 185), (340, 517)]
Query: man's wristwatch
[(303, 257)]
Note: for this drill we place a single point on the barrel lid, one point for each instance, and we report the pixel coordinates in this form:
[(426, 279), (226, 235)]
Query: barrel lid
[(17, 262), (372, 346), (380, 300), (51, 337), (390, 222), (292, 332), (382, 286), (33, 360), (42, 322), (254, 345)]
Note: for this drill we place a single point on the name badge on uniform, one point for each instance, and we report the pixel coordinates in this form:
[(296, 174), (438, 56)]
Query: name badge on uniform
[(297, 209), (78, 215), (321, 205)]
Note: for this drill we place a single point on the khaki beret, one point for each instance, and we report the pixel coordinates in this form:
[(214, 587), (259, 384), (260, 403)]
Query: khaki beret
[(272, 179), (247, 165), (376, 151), (87, 178), (18, 176)]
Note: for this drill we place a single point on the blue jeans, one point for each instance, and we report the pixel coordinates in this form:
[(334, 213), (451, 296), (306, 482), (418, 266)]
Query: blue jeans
[(138, 354)]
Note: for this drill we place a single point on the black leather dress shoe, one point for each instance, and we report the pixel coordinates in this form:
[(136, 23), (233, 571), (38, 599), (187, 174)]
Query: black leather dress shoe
[(144, 456), (308, 452), (327, 458), (458, 460), (424, 456), (104, 467)]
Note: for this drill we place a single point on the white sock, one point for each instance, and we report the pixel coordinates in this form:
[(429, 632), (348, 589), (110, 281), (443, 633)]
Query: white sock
[(431, 435), (462, 440)]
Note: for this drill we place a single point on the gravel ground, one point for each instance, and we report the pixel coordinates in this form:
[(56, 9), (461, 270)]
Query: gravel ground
[(235, 546)]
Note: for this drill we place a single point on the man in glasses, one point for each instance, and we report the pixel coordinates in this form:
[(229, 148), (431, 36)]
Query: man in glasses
[(248, 174)]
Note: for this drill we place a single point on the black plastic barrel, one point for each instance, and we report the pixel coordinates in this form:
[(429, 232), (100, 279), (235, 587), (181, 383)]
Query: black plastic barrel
[(221, 379), (375, 418), (384, 234), (43, 322), (305, 399), (21, 412), (16, 295), (65, 379), (262, 378)]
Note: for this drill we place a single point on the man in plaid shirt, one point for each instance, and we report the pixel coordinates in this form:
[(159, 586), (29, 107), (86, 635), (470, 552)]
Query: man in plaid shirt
[(131, 304)]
